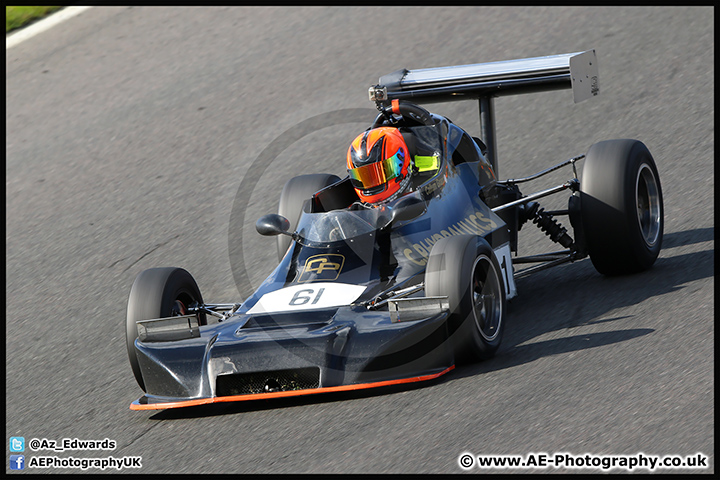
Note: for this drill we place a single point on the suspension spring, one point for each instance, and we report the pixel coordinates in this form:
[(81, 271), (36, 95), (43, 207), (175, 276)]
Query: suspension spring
[(552, 228)]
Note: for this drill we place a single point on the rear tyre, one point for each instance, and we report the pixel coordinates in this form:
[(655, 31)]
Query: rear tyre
[(158, 293), (464, 269), (622, 207), (292, 199)]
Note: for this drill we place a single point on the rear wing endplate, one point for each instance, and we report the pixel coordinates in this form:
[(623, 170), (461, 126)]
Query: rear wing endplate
[(484, 81)]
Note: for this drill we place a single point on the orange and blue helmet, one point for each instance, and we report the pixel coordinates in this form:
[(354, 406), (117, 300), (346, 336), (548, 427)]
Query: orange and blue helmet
[(378, 162)]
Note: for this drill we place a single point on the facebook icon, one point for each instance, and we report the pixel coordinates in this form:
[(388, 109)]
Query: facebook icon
[(17, 462)]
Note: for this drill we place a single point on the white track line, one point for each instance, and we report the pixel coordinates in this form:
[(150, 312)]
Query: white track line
[(42, 25)]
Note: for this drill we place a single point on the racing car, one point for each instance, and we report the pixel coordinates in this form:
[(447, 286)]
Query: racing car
[(369, 296)]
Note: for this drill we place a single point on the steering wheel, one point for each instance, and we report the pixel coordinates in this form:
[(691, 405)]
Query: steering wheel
[(414, 114)]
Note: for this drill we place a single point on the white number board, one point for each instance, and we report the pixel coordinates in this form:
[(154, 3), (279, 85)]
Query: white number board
[(307, 297), (505, 260)]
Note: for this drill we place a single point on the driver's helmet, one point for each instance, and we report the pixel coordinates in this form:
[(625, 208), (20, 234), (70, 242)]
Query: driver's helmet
[(378, 162)]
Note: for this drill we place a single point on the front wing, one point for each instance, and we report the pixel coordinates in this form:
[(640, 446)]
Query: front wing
[(288, 355)]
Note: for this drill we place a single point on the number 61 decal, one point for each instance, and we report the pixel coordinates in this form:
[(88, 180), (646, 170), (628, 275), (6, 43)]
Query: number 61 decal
[(303, 296), (307, 296)]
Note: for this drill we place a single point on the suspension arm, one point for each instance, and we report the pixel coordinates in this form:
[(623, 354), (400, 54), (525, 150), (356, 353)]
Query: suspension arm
[(573, 184), (571, 161)]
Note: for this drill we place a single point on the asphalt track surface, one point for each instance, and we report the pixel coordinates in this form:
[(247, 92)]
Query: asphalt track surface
[(130, 130)]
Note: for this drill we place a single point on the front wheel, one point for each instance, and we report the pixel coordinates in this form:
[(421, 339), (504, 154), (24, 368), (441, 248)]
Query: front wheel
[(464, 269), (158, 293), (622, 207)]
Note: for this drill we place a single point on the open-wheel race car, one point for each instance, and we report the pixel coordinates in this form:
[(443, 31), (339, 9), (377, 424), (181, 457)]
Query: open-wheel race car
[(373, 295)]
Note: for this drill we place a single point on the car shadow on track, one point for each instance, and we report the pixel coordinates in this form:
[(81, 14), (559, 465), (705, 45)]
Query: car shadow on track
[(559, 299), (572, 296)]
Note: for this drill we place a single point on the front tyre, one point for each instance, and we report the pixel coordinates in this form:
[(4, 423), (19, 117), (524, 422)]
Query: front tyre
[(464, 269), (158, 293), (622, 207)]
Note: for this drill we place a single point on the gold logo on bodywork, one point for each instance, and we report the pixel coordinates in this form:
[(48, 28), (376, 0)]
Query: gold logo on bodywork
[(322, 267)]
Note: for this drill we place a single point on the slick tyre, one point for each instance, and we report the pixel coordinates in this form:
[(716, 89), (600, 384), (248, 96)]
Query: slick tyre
[(292, 199), (464, 269), (622, 207), (158, 293)]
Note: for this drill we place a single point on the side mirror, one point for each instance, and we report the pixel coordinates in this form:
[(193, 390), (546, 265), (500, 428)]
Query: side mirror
[(272, 224), (408, 207)]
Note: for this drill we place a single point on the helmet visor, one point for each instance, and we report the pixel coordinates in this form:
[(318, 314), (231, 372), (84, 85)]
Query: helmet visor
[(378, 173)]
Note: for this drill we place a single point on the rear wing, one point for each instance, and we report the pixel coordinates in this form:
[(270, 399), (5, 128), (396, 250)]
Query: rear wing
[(484, 81), (511, 77)]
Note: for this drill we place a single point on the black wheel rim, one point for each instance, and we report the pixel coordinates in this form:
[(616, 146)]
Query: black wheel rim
[(487, 298)]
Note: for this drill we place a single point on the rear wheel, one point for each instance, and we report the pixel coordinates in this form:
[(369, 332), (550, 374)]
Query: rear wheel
[(622, 207), (464, 269), (158, 293), (292, 199)]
